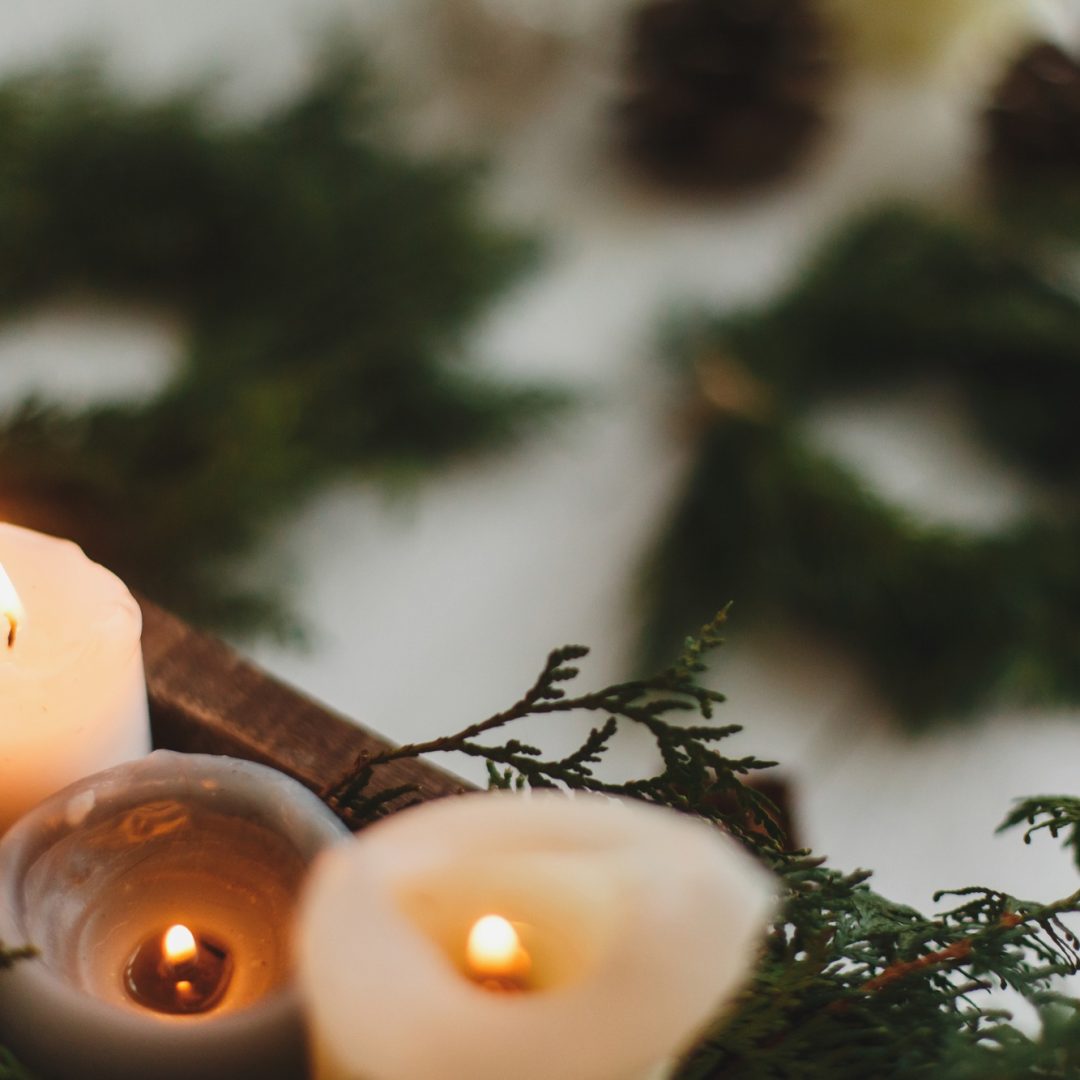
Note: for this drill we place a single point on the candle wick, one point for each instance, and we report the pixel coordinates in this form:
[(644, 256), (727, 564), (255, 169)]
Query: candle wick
[(13, 626)]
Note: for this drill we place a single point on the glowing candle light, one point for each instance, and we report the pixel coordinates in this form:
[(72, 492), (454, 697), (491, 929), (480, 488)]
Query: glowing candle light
[(179, 945), (175, 972), (11, 607), (495, 956), (72, 693)]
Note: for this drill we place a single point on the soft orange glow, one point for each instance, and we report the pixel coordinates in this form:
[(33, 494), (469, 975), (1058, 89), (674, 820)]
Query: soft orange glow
[(179, 945), (11, 609), (494, 950), (176, 972)]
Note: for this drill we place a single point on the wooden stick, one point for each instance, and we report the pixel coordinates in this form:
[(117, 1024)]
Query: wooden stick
[(204, 698)]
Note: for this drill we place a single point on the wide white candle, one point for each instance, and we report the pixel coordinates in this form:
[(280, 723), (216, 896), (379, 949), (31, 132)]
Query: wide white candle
[(498, 935), (72, 692)]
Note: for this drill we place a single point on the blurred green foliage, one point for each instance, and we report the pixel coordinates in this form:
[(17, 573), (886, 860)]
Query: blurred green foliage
[(326, 283), (944, 619)]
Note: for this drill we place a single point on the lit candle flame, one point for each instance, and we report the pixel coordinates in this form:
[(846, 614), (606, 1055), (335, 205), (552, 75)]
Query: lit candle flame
[(11, 609), (179, 945), (494, 950), (176, 972)]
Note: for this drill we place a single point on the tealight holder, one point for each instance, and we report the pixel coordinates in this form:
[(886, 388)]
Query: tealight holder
[(160, 897)]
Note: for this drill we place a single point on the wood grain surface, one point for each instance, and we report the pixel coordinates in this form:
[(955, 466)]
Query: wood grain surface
[(205, 698)]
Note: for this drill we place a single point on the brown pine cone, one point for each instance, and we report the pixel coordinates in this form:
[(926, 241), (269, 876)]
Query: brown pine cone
[(724, 93), (1034, 120)]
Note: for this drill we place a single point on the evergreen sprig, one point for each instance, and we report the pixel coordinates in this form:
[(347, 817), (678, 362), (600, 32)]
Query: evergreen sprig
[(1054, 813), (325, 281), (853, 985), (945, 620), (850, 984), (695, 776)]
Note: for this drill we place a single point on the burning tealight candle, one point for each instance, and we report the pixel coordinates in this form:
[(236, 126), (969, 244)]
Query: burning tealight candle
[(496, 958), (177, 972), (532, 937), (72, 693), (160, 895)]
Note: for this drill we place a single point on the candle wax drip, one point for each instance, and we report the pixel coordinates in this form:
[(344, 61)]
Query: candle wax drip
[(192, 985)]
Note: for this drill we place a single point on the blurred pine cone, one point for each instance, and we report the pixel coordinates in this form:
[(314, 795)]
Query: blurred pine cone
[(1034, 120), (724, 93)]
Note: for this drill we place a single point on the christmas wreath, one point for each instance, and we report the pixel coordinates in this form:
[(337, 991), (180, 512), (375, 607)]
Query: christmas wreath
[(944, 619), (325, 281)]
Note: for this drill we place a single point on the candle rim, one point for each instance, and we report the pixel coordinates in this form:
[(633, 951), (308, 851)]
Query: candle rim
[(171, 774)]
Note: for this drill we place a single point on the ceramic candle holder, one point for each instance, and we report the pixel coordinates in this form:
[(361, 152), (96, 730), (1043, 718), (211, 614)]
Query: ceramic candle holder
[(96, 875)]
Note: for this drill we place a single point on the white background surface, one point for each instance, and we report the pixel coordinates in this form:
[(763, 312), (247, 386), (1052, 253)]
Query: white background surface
[(484, 570)]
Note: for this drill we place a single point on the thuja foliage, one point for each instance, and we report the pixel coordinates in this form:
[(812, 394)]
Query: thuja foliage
[(1054, 814), (326, 283), (850, 984), (944, 619), (692, 764)]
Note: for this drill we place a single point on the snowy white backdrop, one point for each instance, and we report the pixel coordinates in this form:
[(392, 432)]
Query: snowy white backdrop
[(479, 572)]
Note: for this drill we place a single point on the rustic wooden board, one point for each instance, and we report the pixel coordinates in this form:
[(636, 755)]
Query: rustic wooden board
[(205, 698)]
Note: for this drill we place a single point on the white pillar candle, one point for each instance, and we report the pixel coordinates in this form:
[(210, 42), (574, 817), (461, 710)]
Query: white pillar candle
[(629, 926), (72, 692), (160, 895)]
